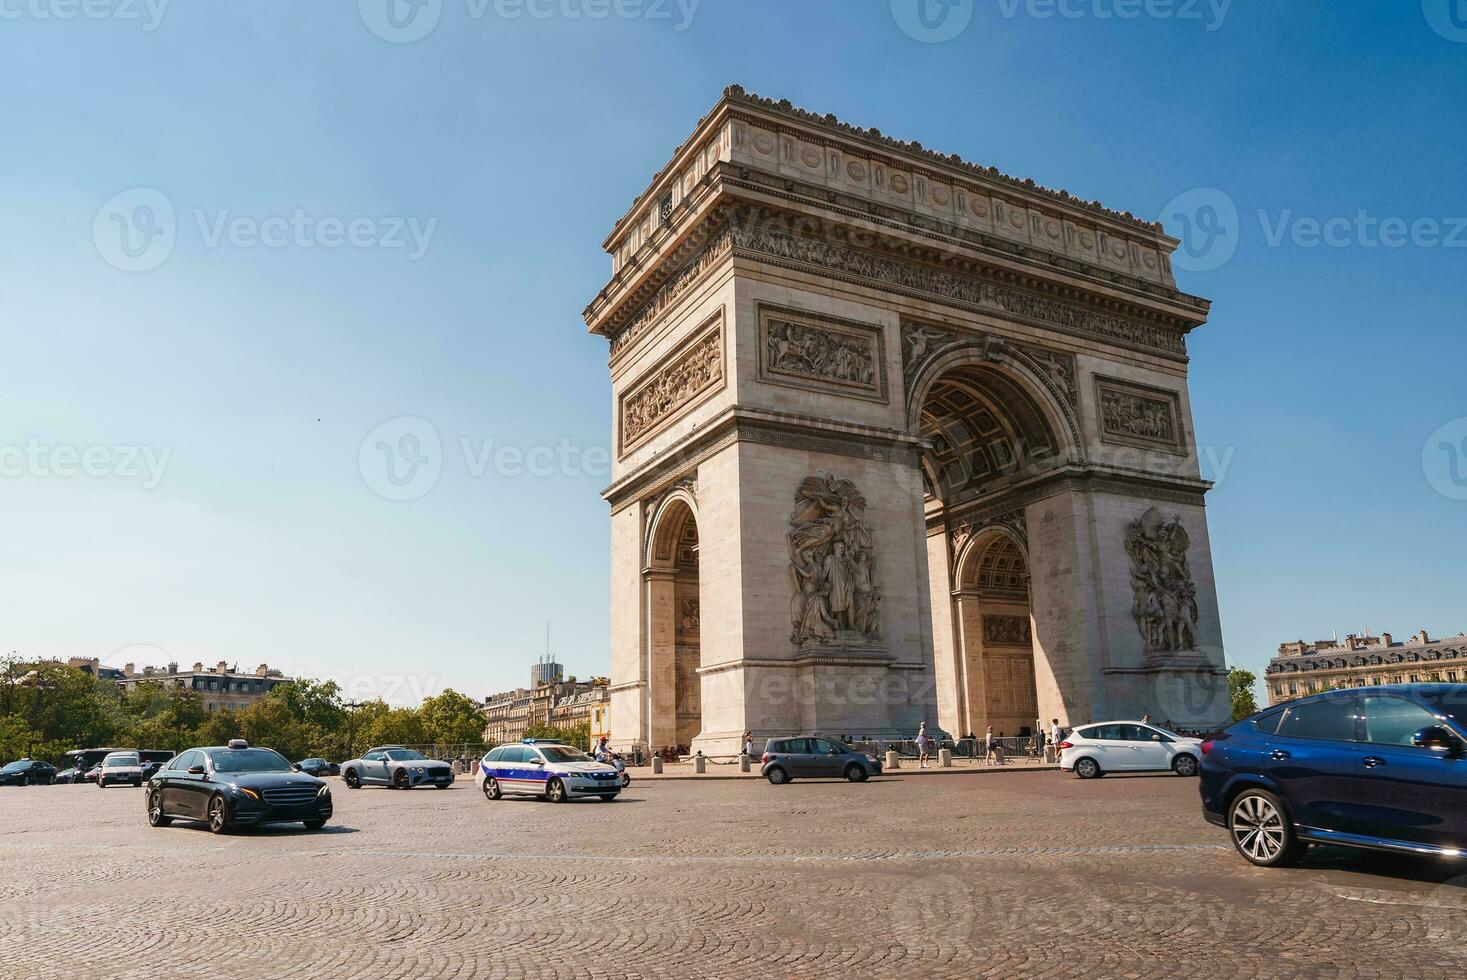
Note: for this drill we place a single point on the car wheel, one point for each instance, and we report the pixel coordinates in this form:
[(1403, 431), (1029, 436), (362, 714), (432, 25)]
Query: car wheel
[(555, 791), (313, 824), (491, 789), (625, 780), (137, 784), (1185, 765), (1261, 830), (1088, 769), (400, 779), (101, 783), (777, 775), (611, 797), (855, 774), (442, 785), (21, 781), (156, 817), (218, 815), (352, 782)]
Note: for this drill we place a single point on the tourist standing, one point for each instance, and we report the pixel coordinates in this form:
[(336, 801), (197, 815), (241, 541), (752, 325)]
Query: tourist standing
[(988, 744), (924, 746)]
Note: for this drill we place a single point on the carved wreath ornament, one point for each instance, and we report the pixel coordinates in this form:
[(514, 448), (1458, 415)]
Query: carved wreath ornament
[(832, 562)]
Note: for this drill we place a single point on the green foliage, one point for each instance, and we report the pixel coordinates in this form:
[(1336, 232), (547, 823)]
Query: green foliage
[(1240, 689), (47, 708), (578, 735)]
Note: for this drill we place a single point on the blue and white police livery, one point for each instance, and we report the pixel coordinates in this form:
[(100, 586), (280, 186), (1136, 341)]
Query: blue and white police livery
[(553, 770)]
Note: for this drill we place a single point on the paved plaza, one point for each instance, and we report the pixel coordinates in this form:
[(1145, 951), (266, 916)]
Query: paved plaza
[(997, 874)]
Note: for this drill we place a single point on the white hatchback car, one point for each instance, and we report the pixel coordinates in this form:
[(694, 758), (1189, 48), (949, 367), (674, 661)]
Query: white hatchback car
[(1128, 746)]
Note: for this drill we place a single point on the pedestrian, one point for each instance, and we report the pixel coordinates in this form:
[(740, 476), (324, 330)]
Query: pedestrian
[(988, 744), (924, 746), (749, 744), (1146, 718), (1056, 734)]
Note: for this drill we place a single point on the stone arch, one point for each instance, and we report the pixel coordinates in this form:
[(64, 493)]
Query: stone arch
[(672, 607), (994, 653), (665, 519)]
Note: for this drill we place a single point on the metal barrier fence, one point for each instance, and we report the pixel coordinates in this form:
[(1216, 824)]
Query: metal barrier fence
[(1012, 746)]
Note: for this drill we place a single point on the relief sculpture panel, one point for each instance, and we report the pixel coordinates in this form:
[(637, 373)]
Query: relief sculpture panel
[(1136, 415), (1164, 602), (823, 353), (833, 565), (692, 372)]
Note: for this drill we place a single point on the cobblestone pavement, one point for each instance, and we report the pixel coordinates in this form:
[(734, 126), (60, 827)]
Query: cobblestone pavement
[(1000, 875)]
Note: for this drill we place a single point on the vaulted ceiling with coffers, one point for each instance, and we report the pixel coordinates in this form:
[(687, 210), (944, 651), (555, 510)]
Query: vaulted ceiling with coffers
[(982, 428)]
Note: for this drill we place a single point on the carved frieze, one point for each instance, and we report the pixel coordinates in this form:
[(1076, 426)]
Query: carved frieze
[(923, 341), (1138, 415), (671, 291), (821, 352), (689, 615), (833, 565), (692, 372), (1007, 630), (1164, 598)]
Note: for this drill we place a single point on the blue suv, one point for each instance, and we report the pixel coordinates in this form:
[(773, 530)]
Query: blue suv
[(1382, 767)]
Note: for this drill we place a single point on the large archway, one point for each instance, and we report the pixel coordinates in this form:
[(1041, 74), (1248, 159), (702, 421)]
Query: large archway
[(992, 614), (674, 609)]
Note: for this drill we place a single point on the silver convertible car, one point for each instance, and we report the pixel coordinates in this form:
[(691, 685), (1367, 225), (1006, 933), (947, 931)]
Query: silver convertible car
[(396, 767)]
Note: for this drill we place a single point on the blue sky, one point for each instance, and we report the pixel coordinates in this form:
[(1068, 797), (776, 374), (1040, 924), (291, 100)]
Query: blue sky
[(182, 479)]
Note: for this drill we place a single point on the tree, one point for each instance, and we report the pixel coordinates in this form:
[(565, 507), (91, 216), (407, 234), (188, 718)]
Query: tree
[(1240, 690), (452, 717)]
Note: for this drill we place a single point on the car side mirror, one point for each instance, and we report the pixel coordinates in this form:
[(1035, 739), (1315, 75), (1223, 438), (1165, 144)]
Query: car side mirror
[(295, 766), (1156, 738), (195, 770), (1436, 738)]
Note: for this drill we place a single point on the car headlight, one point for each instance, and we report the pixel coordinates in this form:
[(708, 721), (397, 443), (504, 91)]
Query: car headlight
[(324, 793), (417, 768), (248, 792)]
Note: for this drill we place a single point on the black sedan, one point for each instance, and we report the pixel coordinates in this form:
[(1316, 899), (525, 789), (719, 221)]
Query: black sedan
[(234, 786), (27, 772), (318, 767)]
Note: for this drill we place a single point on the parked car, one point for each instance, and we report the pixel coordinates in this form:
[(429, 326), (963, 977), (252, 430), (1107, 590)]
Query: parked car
[(318, 767), (1383, 768), (88, 762), (235, 785), (804, 756), (71, 775), (120, 767), (396, 767), (24, 772), (1091, 751), (553, 770)]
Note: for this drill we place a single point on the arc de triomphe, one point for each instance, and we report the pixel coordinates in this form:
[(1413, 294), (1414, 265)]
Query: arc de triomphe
[(897, 439)]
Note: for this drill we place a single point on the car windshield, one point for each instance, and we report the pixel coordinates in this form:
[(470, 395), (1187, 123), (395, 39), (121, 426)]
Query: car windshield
[(403, 755), (121, 760), (1168, 734), (16, 765), (563, 753), (249, 760)]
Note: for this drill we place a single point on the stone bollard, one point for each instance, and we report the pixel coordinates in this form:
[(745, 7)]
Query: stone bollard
[(893, 761), (743, 762), (657, 765), (945, 758), (700, 764)]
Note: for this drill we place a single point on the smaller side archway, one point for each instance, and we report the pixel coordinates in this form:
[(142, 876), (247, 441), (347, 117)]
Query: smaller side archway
[(995, 636), (672, 606)]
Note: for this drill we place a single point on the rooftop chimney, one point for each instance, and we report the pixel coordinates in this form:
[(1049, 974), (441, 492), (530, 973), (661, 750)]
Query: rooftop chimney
[(173, 667), (198, 667), (263, 670), (1423, 637)]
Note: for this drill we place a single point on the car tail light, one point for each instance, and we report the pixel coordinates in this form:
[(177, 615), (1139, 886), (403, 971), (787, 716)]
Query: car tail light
[(1066, 745), (1207, 746), (764, 758)]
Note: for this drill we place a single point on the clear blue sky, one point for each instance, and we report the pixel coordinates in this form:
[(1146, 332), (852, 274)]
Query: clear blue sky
[(514, 143)]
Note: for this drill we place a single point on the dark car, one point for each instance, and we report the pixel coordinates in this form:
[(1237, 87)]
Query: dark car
[(72, 775), (803, 756), (318, 767), (25, 772), (1383, 768), (236, 785)]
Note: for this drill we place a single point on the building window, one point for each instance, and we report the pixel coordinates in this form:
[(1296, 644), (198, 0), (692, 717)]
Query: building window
[(1375, 680), (1415, 678), (1293, 688), (211, 705)]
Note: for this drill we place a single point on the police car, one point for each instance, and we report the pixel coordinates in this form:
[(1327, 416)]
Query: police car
[(541, 767)]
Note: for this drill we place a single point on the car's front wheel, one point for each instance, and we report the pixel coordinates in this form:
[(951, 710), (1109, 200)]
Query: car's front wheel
[(1261, 830), (1088, 769), (855, 774), (400, 779), (156, 817), (1185, 765), (218, 815), (352, 781), (491, 788), (777, 775), (313, 824), (555, 791)]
